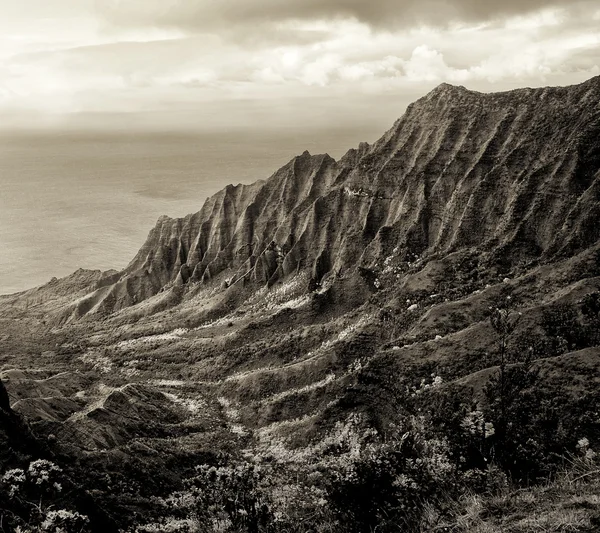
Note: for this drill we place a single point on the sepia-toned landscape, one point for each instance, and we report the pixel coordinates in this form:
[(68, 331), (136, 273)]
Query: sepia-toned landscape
[(403, 339), (299, 266)]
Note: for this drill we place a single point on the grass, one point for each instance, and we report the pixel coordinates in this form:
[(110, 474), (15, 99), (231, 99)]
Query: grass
[(569, 503)]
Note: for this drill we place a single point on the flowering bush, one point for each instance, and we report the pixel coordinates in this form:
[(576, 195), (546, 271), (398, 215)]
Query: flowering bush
[(63, 521), (236, 493), (31, 495), (14, 480), (42, 478), (474, 424), (383, 484), (424, 385), (45, 473), (171, 525), (583, 447)]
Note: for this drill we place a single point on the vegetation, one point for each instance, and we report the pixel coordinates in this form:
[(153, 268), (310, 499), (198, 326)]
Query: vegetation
[(330, 428), (30, 498)]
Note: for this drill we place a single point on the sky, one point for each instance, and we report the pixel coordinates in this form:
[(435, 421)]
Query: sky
[(273, 64)]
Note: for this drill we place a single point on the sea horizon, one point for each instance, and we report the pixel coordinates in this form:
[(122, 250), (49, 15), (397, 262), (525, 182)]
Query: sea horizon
[(88, 198)]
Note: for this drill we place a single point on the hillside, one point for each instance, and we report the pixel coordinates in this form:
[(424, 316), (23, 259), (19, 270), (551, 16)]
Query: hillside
[(337, 317)]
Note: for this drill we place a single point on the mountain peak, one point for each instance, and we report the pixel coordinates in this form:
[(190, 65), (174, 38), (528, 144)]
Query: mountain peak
[(447, 89), (307, 156), (451, 155)]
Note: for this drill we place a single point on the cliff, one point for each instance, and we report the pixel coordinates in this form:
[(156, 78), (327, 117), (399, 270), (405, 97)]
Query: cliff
[(513, 174)]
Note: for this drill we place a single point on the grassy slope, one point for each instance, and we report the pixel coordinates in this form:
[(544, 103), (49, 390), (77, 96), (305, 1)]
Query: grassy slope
[(569, 503), (278, 364)]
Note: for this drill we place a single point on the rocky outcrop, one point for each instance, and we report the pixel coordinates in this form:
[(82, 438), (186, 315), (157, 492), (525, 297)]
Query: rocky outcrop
[(513, 174)]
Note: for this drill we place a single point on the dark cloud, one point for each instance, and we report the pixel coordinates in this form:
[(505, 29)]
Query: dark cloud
[(260, 34), (204, 14)]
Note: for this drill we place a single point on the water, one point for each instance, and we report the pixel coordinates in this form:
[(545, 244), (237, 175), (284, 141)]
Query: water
[(70, 200)]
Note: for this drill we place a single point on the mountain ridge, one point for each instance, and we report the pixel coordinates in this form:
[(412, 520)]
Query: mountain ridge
[(409, 184), (456, 171)]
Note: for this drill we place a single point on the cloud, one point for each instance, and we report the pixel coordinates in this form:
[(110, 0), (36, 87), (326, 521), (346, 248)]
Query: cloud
[(205, 14), (181, 57), (426, 64)]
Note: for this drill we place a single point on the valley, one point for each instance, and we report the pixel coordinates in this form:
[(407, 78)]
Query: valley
[(336, 329)]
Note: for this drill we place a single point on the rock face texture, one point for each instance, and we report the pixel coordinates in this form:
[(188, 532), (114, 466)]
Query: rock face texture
[(514, 174)]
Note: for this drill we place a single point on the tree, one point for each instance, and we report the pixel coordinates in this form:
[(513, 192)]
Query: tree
[(527, 425)]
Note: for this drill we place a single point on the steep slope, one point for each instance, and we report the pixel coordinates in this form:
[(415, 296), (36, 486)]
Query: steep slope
[(514, 174), (288, 319)]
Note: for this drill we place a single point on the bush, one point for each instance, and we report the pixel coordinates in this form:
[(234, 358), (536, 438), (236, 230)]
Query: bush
[(29, 497)]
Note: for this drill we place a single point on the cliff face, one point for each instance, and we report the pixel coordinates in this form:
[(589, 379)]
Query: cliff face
[(514, 174)]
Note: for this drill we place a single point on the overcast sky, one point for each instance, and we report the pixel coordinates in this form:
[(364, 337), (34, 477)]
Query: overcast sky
[(248, 63)]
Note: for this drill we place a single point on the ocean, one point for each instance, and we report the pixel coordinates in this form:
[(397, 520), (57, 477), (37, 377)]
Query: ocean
[(72, 200)]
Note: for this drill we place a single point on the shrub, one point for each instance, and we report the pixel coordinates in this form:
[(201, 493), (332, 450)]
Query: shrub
[(29, 497)]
